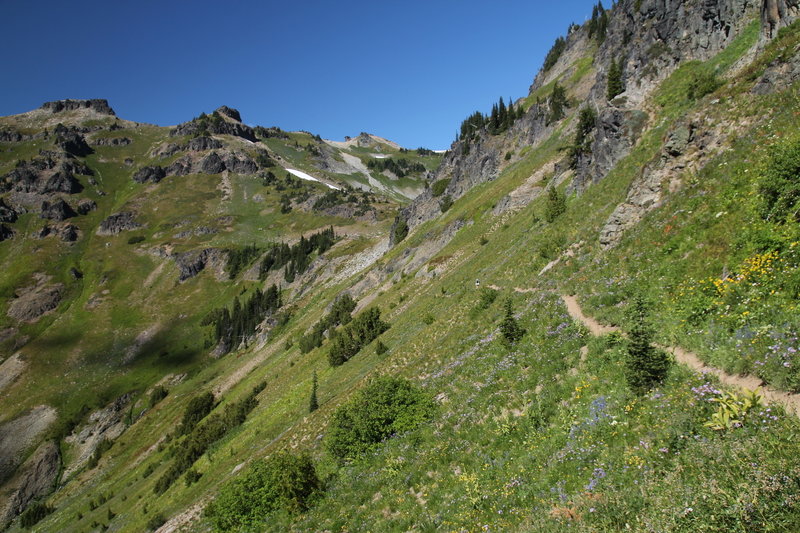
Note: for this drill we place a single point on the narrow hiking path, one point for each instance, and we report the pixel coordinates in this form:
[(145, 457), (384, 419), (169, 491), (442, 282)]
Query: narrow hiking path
[(791, 402)]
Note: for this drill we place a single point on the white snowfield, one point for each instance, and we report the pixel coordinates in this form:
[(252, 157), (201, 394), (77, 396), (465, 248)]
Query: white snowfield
[(303, 176)]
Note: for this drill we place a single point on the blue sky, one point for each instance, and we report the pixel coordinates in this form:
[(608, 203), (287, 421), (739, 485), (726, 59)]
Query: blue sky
[(409, 71)]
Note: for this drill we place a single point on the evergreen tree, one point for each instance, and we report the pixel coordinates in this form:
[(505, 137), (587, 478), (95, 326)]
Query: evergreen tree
[(615, 85), (555, 206), (509, 327), (587, 121), (313, 404), (645, 365), (558, 101)]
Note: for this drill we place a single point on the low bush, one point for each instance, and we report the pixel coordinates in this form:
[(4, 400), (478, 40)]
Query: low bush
[(282, 482), (386, 407)]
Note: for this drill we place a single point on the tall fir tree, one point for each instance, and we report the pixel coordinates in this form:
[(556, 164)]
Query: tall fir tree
[(645, 365), (313, 404), (615, 85)]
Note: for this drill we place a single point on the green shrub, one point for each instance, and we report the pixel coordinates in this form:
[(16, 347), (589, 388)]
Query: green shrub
[(35, 512), (438, 187), (555, 205), (779, 185), (136, 239), (446, 203), (156, 521), (348, 341), (158, 393), (702, 83), (380, 348), (400, 230), (282, 482), (198, 408), (486, 297), (386, 407)]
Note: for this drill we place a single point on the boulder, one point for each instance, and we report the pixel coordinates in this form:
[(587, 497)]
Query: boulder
[(58, 210), (71, 142), (30, 303), (212, 164), (153, 174), (112, 141), (117, 223), (69, 233), (86, 205), (5, 233), (203, 143), (7, 213)]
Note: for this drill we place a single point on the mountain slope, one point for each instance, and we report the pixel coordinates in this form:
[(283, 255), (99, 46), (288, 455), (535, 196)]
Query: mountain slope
[(665, 192)]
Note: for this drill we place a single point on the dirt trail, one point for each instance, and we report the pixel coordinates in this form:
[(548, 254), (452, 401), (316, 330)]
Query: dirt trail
[(791, 402), (521, 290)]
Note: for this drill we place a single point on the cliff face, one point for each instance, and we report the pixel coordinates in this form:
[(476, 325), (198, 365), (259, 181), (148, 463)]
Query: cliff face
[(650, 39)]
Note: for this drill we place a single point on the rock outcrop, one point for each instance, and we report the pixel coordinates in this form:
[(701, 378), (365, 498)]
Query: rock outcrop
[(19, 435), (223, 121), (117, 223), (98, 105), (152, 174), (777, 14), (71, 142), (104, 424), (30, 303), (112, 141), (191, 264), (37, 478), (58, 210)]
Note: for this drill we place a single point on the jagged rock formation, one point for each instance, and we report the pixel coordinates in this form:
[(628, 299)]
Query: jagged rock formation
[(153, 174), (38, 476), (191, 264), (777, 14), (216, 124), (30, 303), (117, 223), (97, 105), (112, 141), (58, 210)]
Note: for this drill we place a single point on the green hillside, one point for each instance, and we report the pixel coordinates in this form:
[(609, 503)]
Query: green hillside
[(510, 336)]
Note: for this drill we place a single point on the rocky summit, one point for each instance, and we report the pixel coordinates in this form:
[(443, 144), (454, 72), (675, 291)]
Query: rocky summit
[(582, 316)]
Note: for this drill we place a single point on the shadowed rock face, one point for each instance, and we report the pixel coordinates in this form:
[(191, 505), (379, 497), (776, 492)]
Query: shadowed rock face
[(98, 105), (117, 223), (39, 474), (58, 210)]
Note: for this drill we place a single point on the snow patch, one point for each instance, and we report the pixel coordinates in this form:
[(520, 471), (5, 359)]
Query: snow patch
[(303, 176)]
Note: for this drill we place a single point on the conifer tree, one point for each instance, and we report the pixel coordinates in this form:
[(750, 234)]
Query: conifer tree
[(615, 85), (313, 404), (645, 365), (509, 327)]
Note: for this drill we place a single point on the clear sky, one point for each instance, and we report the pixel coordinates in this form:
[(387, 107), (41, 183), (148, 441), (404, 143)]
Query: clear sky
[(409, 71)]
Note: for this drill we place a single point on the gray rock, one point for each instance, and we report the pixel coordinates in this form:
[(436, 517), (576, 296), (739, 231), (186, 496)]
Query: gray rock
[(5, 233), (191, 264), (117, 223), (7, 214), (153, 174), (98, 105), (240, 165), (69, 233), (212, 164), (86, 206), (58, 210), (38, 478), (777, 14), (30, 303), (71, 142), (677, 140), (112, 141), (230, 113), (201, 144)]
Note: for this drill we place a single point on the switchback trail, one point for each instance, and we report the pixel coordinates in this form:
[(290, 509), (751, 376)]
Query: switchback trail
[(791, 402)]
